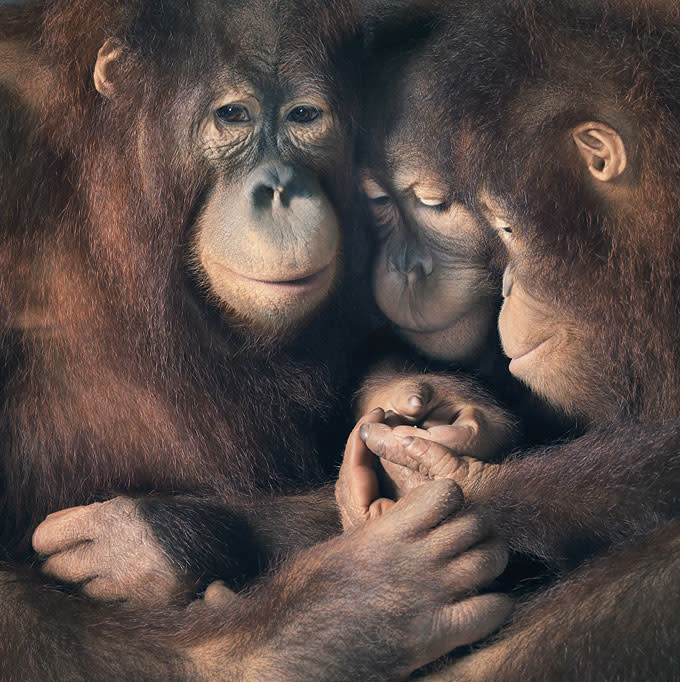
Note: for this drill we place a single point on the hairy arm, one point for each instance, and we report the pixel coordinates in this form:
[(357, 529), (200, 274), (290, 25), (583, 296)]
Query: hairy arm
[(345, 609), (161, 549), (615, 482), (113, 548), (236, 541), (49, 636), (348, 609)]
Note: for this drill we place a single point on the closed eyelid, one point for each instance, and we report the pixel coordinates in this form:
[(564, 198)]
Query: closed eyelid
[(371, 188), (430, 198), (430, 190)]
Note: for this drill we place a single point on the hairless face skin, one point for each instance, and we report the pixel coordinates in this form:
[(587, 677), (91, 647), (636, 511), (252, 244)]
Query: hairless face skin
[(175, 201), (433, 275), (557, 123)]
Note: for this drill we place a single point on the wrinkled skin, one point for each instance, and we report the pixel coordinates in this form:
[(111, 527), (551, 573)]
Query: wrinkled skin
[(445, 414), (175, 200), (454, 553), (576, 183), (110, 550)]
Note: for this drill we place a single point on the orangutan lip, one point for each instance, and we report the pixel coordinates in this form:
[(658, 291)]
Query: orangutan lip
[(316, 278), (530, 354), (435, 328), (315, 281), (424, 331)]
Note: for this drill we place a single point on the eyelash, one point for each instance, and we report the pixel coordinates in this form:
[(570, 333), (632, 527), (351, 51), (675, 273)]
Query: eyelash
[(439, 208)]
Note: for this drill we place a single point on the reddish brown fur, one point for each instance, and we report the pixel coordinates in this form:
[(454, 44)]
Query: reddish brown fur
[(117, 376), (119, 381), (602, 509)]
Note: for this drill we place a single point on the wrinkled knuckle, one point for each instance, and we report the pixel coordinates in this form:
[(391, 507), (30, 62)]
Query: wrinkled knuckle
[(419, 447), (464, 615), (448, 492), (473, 616), (446, 620), (444, 463)]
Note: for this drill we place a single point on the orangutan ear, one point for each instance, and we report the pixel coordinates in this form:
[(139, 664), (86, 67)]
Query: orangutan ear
[(602, 149), (106, 69)]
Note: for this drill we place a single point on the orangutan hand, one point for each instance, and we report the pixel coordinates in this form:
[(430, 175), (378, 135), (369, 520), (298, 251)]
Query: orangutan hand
[(110, 550)]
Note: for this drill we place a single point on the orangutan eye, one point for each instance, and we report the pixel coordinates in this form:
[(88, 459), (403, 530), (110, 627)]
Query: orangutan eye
[(233, 113), (303, 114), (374, 192), (432, 203), (500, 224), (491, 210), (437, 205), (380, 199)]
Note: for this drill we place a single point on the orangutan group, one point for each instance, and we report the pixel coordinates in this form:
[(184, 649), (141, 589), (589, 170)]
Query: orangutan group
[(340, 341)]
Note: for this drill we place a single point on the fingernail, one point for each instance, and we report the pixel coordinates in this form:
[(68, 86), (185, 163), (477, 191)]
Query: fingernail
[(390, 413), (407, 441), (363, 431), (415, 401), (375, 410)]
